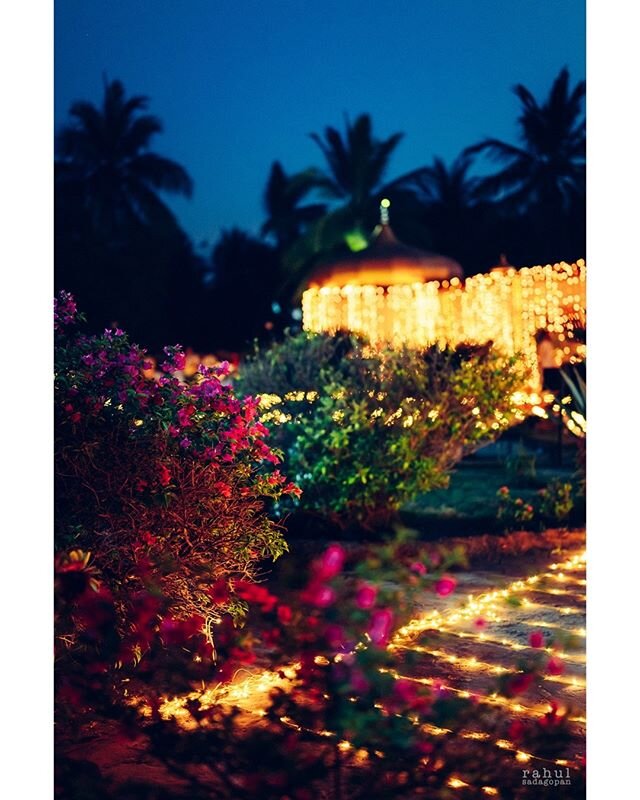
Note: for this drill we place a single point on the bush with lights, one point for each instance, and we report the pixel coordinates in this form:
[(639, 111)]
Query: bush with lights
[(365, 430)]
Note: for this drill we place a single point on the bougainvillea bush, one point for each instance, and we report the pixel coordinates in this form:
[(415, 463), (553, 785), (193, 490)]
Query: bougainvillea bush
[(365, 430), (331, 715), (167, 485)]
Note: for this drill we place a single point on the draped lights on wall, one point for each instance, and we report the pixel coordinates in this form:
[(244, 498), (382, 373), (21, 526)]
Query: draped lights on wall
[(506, 305)]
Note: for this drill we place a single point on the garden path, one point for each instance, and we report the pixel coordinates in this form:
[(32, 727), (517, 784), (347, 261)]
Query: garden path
[(467, 647)]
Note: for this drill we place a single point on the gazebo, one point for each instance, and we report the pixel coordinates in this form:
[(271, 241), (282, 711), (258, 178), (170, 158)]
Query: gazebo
[(399, 295)]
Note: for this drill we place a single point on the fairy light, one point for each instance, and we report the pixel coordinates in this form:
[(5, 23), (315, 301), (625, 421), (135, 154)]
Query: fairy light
[(507, 307), (250, 692)]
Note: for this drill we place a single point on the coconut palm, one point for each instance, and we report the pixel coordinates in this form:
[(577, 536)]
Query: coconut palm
[(286, 218), (448, 188), (356, 164), (103, 159), (547, 168)]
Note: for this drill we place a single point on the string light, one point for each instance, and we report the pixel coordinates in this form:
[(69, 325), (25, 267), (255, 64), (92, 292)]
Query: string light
[(251, 691), (507, 307)]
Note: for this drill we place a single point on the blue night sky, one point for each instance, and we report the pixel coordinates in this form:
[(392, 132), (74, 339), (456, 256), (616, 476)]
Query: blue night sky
[(240, 83)]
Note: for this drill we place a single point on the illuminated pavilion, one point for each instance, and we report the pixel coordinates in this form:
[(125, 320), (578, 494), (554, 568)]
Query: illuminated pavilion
[(397, 295)]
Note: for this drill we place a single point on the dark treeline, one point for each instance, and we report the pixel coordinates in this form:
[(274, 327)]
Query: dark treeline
[(120, 249)]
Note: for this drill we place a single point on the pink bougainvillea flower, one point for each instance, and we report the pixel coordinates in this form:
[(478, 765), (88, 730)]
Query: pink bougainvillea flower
[(516, 730), (284, 614), (147, 538), (366, 596), (178, 631), (331, 562), (219, 592), (445, 585), (184, 416), (222, 488), (334, 634), (555, 666), (424, 748), (418, 567), (519, 683), (254, 593), (380, 626), (536, 639), (322, 596), (405, 690), (358, 681), (553, 717), (164, 476)]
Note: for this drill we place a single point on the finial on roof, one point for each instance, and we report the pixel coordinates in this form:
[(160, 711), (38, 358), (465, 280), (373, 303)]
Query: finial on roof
[(384, 211)]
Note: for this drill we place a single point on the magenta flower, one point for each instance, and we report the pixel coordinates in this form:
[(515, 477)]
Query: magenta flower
[(334, 635), (330, 563), (366, 596), (536, 639), (445, 585), (380, 627), (555, 666)]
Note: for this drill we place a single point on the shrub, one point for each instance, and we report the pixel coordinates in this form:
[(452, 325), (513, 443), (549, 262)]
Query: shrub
[(363, 430), (165, 484), (550, 506), (334, 719), (513, 511), (556, 501)]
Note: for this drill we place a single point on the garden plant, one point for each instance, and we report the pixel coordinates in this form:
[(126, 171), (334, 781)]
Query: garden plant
[(364, 430)]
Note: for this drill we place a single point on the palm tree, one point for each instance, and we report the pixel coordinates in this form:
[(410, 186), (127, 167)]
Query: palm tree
[(444, 187), (356, 165), (286, 219), (104, 161), (547, 168), (450, 204)]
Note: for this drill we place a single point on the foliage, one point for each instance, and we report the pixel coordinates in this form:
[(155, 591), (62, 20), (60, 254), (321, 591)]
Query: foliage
[(521, 466), (118, 246), (552, 505), (513, 510), (556, 501), (574, 407), (165, 484), (246, 275), (334, 719), (363, 431), (286, 218), (549, 166)]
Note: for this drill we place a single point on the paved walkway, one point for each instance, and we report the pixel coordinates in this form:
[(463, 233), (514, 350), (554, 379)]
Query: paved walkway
[(466, 646)]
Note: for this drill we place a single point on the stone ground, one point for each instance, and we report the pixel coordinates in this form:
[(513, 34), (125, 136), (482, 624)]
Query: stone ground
[(462, 643), (481, 632)]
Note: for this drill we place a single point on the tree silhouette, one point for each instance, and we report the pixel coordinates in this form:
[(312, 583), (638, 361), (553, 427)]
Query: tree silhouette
[(286, 218), (118, 247), (548, 167), (356, 164), (103, 156), (245, 277), (452, 205)]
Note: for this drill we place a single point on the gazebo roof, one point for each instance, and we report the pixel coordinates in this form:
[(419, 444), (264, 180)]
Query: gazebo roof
[(386, 262)]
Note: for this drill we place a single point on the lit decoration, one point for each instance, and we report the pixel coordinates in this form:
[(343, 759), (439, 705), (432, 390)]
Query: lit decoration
[(506, 306), (250, 691)]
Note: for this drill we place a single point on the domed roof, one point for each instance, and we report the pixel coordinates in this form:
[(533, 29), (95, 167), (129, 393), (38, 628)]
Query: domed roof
[(386, 262)]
